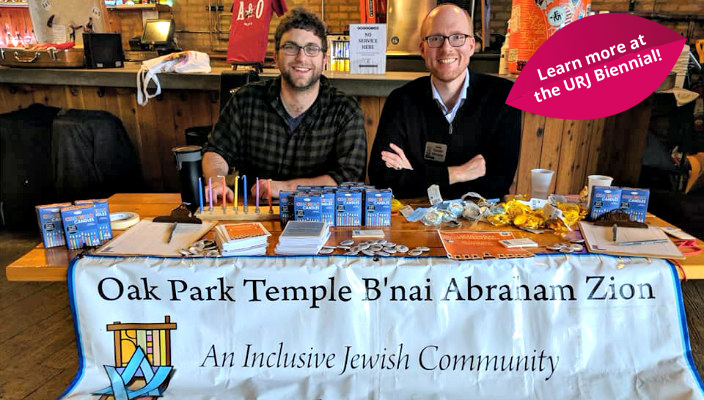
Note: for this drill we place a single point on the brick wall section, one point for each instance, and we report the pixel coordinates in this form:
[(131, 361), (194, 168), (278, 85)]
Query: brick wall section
[(692, 30), (191, 15)]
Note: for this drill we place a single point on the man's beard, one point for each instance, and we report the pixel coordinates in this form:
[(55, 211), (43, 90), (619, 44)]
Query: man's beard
[(313, 80)]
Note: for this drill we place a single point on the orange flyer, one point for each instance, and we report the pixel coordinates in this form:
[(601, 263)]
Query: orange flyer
[(244, 231), (479, 245)]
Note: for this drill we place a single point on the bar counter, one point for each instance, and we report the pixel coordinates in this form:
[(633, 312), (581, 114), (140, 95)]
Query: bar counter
[(352, 84)]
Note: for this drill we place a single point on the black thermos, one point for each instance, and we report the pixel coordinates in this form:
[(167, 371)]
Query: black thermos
[(188, 162)]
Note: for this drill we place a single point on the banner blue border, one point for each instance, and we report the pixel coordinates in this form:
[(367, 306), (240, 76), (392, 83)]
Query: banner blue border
[(684, 330)]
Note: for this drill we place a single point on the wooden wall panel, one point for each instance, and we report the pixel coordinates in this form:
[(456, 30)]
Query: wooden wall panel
[(573, 157), (623, 144), (15, 97), (154, 160), (531, 148), (552, 146), (371, 107), (127, 112), (153, 130), (596, 139), (573, 149)]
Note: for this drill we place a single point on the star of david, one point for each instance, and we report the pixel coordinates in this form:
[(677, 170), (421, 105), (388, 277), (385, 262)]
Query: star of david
[(138, 366)]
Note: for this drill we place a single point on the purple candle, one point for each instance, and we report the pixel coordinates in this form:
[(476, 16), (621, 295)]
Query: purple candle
[(257, 194)]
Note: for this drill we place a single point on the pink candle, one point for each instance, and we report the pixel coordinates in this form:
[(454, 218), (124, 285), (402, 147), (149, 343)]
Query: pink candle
[(224, 197), (210, 192)]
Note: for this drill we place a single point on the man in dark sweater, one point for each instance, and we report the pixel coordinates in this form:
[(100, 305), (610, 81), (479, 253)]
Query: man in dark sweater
[(452, 128)]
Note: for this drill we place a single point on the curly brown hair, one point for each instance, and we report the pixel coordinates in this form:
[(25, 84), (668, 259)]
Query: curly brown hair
[(300, 18)]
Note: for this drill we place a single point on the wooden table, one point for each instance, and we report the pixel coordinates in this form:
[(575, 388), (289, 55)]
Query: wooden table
[(42, 264)]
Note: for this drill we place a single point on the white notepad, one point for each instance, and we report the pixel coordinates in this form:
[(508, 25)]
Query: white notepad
[(600, 240), (149, 238)]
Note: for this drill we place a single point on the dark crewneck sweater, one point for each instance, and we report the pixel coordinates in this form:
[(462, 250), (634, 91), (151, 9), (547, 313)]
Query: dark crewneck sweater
[(484, 124)]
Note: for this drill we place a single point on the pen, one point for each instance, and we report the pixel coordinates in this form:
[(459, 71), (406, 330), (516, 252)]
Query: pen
[(615, 229), (171, 232), (640, 242)]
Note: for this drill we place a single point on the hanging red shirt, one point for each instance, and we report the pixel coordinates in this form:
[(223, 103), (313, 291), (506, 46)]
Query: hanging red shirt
[(249, 31)]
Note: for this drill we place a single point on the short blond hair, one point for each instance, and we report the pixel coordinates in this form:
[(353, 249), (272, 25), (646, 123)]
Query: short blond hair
[(424, 25)]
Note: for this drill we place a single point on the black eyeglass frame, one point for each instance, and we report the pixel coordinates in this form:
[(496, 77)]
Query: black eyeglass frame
[(448, 38), (306, 49)]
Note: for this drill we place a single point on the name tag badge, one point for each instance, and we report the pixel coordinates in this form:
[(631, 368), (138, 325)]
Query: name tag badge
[(435, 151)]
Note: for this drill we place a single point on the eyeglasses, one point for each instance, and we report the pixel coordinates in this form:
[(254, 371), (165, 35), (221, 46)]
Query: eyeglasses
[(292, 49), (455, 40)]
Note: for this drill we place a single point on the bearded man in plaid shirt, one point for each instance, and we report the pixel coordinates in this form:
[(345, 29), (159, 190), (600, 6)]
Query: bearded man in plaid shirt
[(296, 129)]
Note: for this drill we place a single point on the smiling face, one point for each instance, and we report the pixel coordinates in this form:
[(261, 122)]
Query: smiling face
[(300, 72), (447, 63)]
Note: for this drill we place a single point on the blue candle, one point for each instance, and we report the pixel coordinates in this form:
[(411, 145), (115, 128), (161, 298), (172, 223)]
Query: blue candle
[(200, 193), (244, 187)]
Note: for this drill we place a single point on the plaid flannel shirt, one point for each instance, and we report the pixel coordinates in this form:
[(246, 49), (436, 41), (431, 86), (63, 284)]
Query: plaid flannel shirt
[(253, 136)]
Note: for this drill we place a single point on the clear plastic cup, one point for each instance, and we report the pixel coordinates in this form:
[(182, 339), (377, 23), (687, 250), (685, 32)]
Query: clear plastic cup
[(540, 180)]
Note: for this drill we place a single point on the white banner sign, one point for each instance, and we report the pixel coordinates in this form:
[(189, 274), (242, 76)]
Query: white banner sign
[(549, 327)]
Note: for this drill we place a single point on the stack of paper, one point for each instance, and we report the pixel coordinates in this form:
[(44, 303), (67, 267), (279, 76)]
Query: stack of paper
[(303, 237), (249, 239)]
